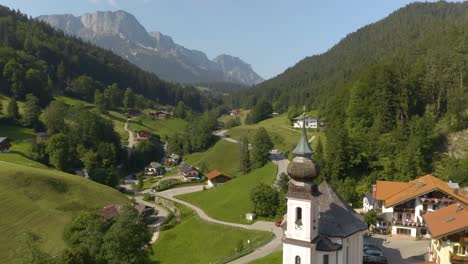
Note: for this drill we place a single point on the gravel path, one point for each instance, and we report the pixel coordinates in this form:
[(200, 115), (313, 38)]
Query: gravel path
[(131, 137)]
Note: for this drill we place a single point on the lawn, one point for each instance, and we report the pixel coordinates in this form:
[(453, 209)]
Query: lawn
[(273, 258), (225, 118), (282, 135), (44, 201), (231, 201), (223, 156), (197, 241), (163, 128), (20, 146)]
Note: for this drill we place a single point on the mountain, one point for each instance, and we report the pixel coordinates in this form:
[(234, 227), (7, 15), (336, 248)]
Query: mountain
[(36, 58), (152, 51)]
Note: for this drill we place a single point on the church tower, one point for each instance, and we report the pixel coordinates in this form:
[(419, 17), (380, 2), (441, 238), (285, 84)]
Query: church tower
[(302, 212)]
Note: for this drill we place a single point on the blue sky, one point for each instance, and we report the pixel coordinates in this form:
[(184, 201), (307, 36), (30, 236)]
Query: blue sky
[(271, 35)]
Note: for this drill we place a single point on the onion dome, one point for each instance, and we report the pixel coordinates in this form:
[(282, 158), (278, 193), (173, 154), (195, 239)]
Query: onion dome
[(302, 167)]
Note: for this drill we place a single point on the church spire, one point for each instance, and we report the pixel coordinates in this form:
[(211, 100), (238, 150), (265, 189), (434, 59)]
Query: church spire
[(303, 148)]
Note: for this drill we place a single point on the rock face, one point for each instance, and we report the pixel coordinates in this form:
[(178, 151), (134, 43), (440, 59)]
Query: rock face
[(153, 51)]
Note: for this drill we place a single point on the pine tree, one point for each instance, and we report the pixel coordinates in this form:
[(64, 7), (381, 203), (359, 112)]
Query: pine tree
[(245, 154), (12, 109)]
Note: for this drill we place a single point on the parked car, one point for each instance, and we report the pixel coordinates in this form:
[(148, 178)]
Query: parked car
[(279, 222), (375, 260), (371, 247), (373, 252)]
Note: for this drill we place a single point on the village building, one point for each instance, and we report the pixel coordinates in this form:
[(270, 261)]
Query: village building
[(403, 204), (154, 169), (320, 225), (449, 230), (142, 135), (5, 144), (310, 122), (41, 137), (235, 112), (161, 114), (110, 211), (172, 160), (133, 112), (216, 178), (189, 173)]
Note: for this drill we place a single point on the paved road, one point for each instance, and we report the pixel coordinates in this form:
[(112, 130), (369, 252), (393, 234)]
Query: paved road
[(131, 137), (161, 217), (275, 245), (220, 133), (400, 251)]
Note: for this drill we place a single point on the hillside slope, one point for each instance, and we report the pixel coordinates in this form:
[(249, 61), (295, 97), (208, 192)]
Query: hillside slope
[(121, 32), (43, 201)]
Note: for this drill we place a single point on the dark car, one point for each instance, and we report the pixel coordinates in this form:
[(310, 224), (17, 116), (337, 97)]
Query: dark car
[(375, 260), (373, 252), (371, 247)]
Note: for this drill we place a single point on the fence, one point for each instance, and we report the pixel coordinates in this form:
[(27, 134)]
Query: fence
[(245, 252)]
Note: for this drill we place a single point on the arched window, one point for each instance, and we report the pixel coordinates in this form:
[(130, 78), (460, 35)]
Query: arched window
[(298, 260), (298, 216)]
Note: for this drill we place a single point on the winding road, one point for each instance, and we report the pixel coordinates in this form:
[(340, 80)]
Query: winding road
[(131, 137)]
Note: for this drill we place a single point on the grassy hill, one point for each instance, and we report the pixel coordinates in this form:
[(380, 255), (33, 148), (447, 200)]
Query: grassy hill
[(223, 156), (43, 201), (197, 241), (163, 128), (231, 201), (282, 135)]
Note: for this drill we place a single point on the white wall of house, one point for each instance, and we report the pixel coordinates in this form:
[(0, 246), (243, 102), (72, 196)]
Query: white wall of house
[(387, 210), (441, 254), (309, 123), (366, 206)]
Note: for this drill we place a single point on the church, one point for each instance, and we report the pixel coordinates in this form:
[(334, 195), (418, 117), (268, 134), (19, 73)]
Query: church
[(321, 228)]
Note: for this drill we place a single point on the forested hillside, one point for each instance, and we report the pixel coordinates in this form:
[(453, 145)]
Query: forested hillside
[(388, 93), (34, 58)]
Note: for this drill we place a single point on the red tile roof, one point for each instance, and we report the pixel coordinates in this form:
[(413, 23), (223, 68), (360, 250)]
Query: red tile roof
[(448, 220), (394, 193), (215, 174)]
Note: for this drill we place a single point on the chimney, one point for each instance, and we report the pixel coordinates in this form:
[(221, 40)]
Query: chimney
[(459, 208)]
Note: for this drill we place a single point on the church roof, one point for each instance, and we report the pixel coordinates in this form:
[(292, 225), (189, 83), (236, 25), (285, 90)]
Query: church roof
[(303, 148), (325, 244), (337, 218)]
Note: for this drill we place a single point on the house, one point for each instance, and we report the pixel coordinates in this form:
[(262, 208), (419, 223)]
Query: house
[(449, 230), (133, 112), (161, 114), (368, 203), (41, 137), (189, 173), (143, 135), (310, 122), (405, 203), (320, 225), (110, 211), (216, 178), (154, 169), (235, 112), (172, 160), (5, 144)]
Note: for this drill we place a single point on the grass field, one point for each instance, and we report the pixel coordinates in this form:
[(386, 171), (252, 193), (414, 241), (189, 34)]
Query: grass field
[(163, 128), (196, 241), (231, 201), (225, 118), (282, 135), (274, 258), (223, 156), (44, 201)]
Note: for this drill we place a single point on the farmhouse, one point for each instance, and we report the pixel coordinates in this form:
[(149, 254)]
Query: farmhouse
[(172, 160), (405, 203), (110, 211), (449, 230), (189, 173), (235, 112), (41, 137), (154, 169), (161, 114), (320, 225), (5, 144), (133, 112), (310, 122), (216, 178), (143, 135)]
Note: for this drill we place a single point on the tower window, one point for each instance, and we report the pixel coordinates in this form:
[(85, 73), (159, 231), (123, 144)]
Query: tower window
[(298, 260), (325, 259), (298, 216)]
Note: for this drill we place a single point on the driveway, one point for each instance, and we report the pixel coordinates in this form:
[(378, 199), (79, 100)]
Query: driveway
[(281, 163), (131, 138), (161, 217), (275, 245), (220, 133), (399, 251)]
